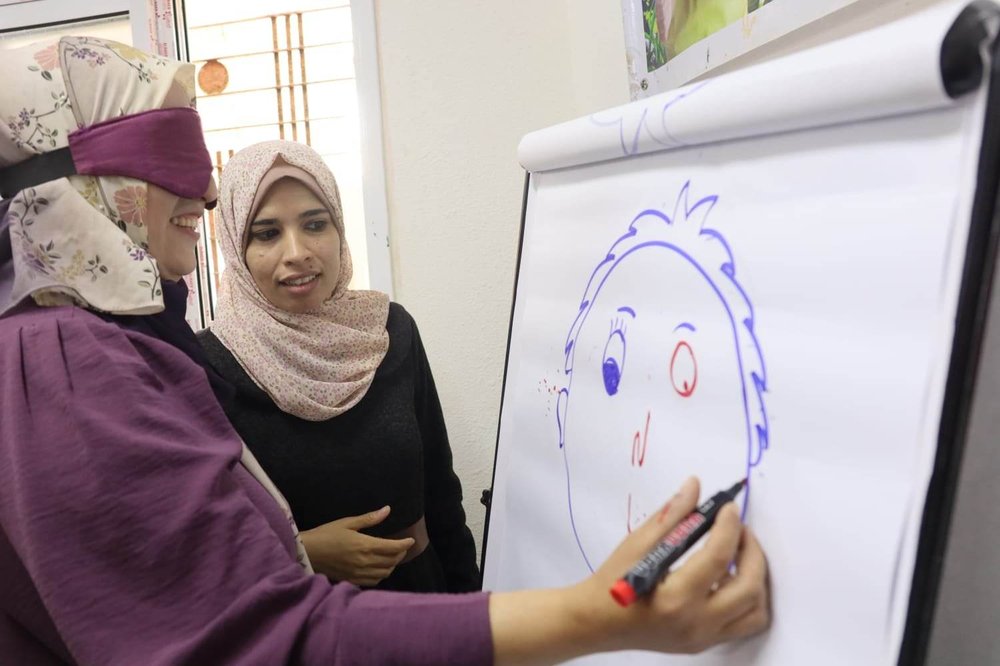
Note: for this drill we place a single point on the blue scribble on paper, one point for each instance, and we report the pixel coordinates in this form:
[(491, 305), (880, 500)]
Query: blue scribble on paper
[(639, 122)]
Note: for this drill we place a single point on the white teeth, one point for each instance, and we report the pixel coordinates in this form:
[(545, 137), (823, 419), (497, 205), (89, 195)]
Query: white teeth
[(186, 222), (300, 281)]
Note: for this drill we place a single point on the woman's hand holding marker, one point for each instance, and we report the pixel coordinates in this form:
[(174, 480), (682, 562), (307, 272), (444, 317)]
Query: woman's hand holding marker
[(642, 578), (700, 604)]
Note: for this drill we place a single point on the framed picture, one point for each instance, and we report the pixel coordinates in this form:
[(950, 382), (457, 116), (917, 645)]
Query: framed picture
[(670, 42)]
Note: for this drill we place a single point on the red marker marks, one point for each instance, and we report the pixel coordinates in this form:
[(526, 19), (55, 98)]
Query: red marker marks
[(545, 387), (639, 442), (684, 370), (663, 513)]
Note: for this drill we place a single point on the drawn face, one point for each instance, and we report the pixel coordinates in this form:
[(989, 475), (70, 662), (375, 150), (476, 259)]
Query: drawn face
[(657, 394)]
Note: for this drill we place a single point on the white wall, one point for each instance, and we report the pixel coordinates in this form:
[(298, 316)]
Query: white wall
[(462, 81)]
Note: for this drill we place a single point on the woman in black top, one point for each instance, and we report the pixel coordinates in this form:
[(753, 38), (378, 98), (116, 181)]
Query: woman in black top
[(334, 394)]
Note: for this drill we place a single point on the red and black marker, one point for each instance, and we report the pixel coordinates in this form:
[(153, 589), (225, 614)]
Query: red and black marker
[(644, 576)]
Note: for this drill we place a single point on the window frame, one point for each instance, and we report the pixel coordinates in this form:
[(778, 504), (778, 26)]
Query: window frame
[(366, 75), (18, 15)]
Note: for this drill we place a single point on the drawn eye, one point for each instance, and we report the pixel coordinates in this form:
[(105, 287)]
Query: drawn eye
[(683, 369), (613, 364)]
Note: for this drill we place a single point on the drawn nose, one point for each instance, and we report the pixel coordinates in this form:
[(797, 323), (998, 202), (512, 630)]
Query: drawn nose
[(639, 442)]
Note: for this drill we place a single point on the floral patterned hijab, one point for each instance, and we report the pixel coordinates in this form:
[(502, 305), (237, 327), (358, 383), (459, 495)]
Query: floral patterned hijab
[(314, 365), (82, 239)]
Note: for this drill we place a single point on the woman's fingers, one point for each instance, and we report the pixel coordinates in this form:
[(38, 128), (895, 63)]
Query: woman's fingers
[(381, 556), (390, 548), (710, 565), (718, 594), (399, 557), (372, 576), (365, 520), (745, 591), (647, 535), (752, 622)]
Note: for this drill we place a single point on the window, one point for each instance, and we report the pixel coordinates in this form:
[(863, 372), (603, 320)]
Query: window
[(303, 70), (280, 70)]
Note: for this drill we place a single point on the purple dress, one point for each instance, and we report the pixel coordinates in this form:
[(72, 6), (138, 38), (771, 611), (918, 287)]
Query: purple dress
[(130, 534)]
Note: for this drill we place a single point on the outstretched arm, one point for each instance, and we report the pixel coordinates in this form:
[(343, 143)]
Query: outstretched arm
[(121, 496), (124, 501)]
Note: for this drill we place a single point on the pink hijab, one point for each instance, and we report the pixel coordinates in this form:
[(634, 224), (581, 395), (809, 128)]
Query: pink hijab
[(315, 365)]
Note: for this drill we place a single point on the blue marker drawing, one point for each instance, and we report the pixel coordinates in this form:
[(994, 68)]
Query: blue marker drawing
[(632, 126), (614, 352), (665, 375)]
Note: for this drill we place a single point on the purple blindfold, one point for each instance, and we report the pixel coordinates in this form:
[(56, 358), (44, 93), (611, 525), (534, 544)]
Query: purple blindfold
[(165, 147)]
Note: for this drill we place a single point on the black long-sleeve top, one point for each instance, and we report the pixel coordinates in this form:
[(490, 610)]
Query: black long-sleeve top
[(390, 448)]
